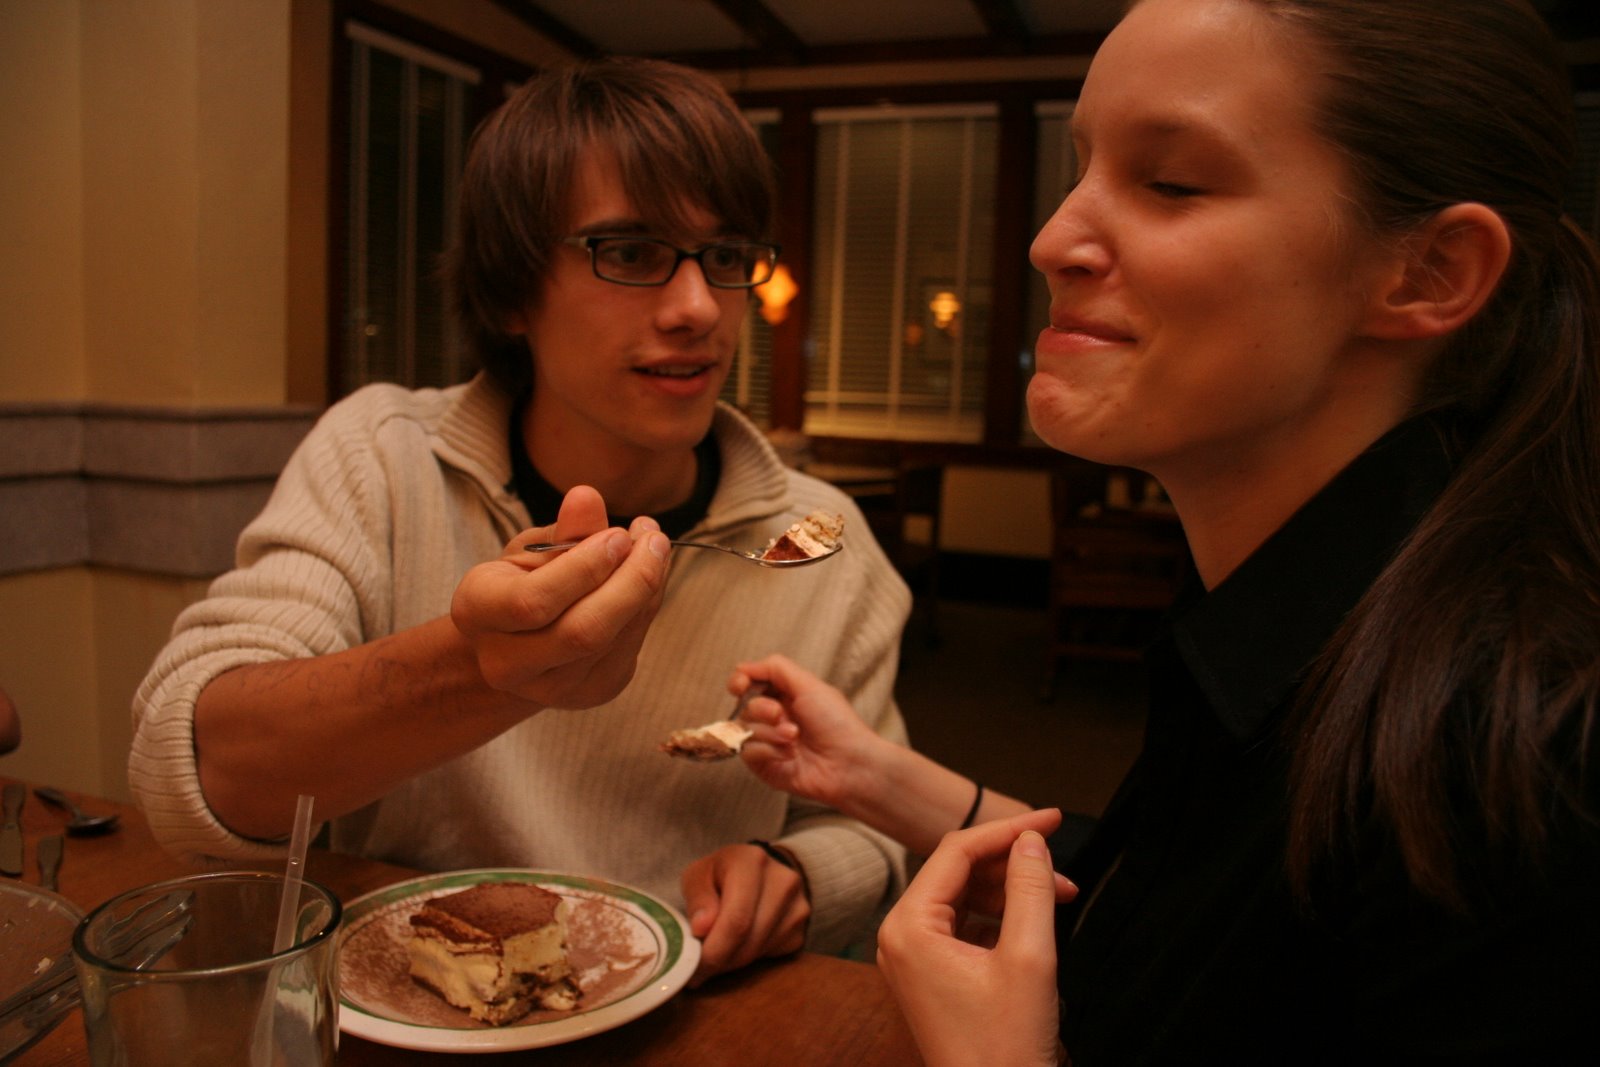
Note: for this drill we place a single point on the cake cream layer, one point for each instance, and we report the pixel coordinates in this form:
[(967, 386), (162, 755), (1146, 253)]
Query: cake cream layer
[(815, 535), (717, 740), (494, 950)]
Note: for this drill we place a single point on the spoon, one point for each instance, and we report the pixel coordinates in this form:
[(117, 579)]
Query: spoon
[(714, 741), (81, 824), (756, 689), (754, 557)]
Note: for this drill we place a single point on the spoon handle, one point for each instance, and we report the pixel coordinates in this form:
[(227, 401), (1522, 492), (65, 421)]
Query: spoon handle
[(56, 797), (756, 689), (49, 857)]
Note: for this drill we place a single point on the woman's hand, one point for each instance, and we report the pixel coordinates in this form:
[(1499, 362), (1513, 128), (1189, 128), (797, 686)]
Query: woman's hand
[(968, 1004), (565, 629), (807, 740)]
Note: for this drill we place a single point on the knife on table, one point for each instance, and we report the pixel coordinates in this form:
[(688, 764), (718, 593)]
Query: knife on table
[(49, 855), (11, 831)]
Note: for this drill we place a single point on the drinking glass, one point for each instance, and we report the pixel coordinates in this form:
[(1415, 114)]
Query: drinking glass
[(182, 974)]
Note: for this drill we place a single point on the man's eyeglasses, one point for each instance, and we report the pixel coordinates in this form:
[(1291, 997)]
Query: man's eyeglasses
[(649, 261)]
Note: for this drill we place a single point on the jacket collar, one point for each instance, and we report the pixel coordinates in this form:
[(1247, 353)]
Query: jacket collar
[(1249, 642)]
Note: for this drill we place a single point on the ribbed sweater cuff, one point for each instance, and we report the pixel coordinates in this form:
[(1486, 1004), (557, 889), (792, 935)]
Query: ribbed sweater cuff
[(850, 877)]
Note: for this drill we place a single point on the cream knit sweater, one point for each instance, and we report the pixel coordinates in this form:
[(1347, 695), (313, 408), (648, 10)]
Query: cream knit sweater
[(387, 503)]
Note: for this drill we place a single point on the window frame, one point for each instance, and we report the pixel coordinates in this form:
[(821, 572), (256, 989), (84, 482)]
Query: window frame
[(498, 74)]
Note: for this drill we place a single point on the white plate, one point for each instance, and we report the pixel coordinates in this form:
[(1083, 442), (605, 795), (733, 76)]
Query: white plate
[(35, 931), (631, 952)]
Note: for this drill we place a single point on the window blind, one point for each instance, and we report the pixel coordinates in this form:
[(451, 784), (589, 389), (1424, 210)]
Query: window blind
[(903, 241)]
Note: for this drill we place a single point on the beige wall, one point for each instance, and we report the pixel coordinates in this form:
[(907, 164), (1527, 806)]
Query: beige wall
[(147, 186), (75, 722), (185, 122), (145, 206), (41, 197)]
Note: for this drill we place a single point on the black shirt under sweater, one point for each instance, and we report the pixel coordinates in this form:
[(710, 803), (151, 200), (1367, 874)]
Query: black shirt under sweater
[(1193, 950), (543, 500)]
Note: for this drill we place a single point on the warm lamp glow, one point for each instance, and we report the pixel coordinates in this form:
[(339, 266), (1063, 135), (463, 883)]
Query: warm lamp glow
[(945, 307), (775, 294)]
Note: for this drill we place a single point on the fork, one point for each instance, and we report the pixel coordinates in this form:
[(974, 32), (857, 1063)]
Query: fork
[(754, 557)]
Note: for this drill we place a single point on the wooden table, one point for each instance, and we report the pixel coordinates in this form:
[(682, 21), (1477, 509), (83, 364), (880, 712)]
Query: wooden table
[(802, 1011)]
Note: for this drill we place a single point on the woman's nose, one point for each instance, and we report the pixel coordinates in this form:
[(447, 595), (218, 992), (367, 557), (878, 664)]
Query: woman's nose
[(1073, 239)]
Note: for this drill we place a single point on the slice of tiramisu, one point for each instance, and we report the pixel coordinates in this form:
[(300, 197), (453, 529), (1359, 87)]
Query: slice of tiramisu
[(815, 535), (495, 950)]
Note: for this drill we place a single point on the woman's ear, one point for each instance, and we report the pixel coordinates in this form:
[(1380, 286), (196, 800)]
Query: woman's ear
[(1445, 272)]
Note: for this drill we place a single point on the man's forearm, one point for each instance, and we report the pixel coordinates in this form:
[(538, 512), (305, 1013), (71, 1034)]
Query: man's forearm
[(345, 728)]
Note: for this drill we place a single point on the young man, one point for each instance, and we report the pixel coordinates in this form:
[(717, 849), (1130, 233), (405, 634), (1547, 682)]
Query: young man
[(451, 700)]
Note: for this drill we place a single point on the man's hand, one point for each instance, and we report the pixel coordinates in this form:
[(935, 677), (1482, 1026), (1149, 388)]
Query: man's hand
[(743, 905), (564, 630)]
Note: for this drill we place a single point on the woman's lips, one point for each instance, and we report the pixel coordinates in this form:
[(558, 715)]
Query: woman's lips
[(1087, 328), (1071, 338)]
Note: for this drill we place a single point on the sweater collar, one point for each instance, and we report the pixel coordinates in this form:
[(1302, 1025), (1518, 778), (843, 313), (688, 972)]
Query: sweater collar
[(754, 484), (471, 436), (1250, 641)]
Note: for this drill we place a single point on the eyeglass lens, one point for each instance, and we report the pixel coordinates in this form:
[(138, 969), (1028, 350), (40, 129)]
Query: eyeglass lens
[(645, 261)]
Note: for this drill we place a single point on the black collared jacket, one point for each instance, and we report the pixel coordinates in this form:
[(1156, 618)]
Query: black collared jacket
[(1186, 944)]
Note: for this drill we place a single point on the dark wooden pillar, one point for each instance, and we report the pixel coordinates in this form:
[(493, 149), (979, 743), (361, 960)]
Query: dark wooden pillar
[(1013, 232)]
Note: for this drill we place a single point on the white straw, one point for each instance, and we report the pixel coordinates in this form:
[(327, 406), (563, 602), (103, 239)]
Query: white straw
[(299, 841)]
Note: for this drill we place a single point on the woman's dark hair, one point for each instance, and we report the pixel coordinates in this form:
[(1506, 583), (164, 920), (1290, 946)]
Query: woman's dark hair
[(678, 140), (1452, 714)]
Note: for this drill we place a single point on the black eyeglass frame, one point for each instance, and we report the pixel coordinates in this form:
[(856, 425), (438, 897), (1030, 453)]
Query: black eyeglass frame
[(592, 242)]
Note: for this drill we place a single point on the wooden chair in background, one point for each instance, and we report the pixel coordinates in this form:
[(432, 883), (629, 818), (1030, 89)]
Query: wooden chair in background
[(904, 517), (1115, 567), (900, 494)]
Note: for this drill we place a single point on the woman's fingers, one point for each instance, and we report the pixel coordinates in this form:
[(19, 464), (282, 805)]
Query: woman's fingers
[(941, 889), (1029, 919)]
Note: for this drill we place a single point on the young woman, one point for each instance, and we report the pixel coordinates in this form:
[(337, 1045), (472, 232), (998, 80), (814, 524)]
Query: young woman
[(1315, 276)]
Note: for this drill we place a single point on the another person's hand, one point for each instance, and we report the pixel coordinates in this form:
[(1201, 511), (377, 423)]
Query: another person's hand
[(10, 724), (743, 905), (564, 629), (807, 738), (968, 1003)]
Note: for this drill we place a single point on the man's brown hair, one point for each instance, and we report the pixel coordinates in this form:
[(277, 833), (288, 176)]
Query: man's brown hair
[(679, 142)]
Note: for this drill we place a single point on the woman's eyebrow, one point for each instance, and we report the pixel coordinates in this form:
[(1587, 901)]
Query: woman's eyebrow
[(1164, 132)]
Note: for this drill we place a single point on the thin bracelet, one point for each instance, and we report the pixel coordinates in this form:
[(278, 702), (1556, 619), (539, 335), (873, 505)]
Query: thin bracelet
[(776, 853), (972, 812)]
